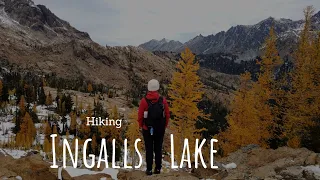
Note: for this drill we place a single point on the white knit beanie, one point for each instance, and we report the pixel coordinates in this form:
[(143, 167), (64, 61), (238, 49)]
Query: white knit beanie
[(153, 85)]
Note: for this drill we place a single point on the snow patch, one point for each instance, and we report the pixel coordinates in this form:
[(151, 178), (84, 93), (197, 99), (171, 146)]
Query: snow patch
[(230, 166), (16, 154), (315, 169), (74, 172)]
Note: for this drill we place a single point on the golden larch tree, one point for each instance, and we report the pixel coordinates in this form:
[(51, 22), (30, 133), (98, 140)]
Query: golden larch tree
[(302, 96), (27, 133), (22, 105), (252, 117), (133, 133), (185, 91), (90, 88), (49, 99), (242, 120)]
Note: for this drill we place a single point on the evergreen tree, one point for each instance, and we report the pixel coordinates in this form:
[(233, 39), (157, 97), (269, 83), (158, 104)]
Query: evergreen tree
[(94, 144), (185, 92), (42, 96), (73, 123)]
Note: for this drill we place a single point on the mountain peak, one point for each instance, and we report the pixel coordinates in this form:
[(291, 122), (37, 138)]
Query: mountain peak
[(163, 40), (40, 18), (267, 21), (317, 15)]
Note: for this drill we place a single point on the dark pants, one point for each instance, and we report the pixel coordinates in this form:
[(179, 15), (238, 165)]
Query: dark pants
[(153, 144)]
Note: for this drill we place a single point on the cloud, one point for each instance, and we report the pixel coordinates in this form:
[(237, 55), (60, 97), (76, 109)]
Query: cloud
[(129, 22)]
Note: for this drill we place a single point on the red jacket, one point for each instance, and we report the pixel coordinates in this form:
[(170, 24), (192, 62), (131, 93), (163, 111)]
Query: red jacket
[(153, 96)]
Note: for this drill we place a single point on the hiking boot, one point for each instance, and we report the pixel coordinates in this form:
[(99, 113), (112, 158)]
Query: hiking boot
[(156, 171), (148, 173)]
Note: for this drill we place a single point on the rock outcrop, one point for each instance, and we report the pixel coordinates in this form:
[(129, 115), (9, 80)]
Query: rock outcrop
[(252, 162)]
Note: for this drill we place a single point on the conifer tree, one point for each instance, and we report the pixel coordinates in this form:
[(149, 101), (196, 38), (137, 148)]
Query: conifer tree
[(34, 108), (185, 92), (115, 132), (115, 114), (94, 144), (90, 88), (84, 129), (47, 145), (57, 142), (22, 105), (133, 133), (48, 130), (304, 93), (27, 132), (42, 96), (73, 123), (49, 99), (242, 119), (252, 117)]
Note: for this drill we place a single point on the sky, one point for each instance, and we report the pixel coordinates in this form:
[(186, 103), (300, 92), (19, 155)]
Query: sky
[(133, 22)]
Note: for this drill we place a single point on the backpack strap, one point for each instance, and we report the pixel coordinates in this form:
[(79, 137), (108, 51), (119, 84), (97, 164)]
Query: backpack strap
[(149, 102)]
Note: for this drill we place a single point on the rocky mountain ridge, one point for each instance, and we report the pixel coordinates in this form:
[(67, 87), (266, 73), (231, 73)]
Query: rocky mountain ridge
[(33, 39), (245, 41), (162, 45)]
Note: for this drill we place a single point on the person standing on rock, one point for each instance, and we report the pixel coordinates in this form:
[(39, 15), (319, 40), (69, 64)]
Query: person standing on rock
[(153, 117)]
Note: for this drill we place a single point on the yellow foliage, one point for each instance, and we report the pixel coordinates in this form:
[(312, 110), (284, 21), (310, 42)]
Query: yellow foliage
[(251, 118), (133, 132), (22, 105), (73, 121), (49, 99), (303, 97), (90, 88), (27, 132), (185, 91)]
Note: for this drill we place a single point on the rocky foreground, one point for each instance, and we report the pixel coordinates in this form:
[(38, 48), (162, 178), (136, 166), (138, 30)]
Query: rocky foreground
[(252, 163)]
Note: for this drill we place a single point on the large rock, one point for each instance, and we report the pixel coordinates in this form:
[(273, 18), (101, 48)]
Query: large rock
[(5, 173), (294, 172), (31, 167), (140, 175), (254, 162), (318, 159), (311, 159), (203, 173)]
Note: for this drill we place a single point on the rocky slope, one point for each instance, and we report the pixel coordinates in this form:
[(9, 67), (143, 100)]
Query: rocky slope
[(33, 38), (246, 41), (248, 163)]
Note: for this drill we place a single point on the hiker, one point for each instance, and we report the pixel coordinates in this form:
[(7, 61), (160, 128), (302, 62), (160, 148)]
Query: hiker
[(153, 117)]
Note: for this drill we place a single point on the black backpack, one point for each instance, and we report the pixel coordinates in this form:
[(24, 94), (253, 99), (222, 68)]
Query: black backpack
[(156, 116)]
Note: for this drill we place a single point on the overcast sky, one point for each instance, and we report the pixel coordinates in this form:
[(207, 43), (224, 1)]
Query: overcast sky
[(132, 22)]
